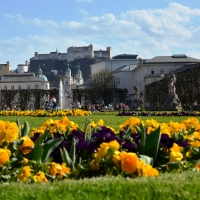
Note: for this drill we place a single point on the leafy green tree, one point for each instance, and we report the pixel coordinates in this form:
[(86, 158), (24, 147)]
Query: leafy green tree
[(102, 82)]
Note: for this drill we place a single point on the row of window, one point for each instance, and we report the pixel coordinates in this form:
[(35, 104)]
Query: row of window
[(19, 87), (161, 71), (116, 81)]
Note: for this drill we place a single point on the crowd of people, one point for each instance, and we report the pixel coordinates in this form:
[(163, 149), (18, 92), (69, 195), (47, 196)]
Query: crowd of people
[(51, 104)]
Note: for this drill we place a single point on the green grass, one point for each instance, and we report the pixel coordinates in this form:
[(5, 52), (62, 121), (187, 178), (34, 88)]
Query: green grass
[(110, 119), (167, 186)]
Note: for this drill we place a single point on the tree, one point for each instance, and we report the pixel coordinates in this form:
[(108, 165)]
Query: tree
[(8, 96), (102, 81)]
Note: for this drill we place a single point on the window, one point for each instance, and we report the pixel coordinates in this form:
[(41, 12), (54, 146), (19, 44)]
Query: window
[(28, 87), (36, 86), (19, 87), (5, 87), (0, 68), (12, 87), (152, 71), (162, 71)]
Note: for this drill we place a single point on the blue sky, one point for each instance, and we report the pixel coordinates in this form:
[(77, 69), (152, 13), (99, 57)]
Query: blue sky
[(147, 28)]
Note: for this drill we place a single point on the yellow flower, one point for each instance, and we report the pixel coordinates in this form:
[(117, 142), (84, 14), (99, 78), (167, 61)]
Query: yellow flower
[(12, 132), (94, 165), (117, 159), (132, 122), (102, 151), (25, 161), (4, 156), (190, 123), (151, 125), (175, 156), (27, 145), (176, 148), (197, 167), (100, 122), (114, 145), (40, 177), (196, 143), (128, 162), (65, 170), (146, 169), (8, 131), (26, 172), (56, 168)]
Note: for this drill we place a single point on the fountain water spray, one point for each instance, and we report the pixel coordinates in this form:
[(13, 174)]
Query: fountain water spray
[(61, 94)]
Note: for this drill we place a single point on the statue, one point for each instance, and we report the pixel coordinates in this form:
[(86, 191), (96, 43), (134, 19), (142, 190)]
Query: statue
[(172, 101), (171, 83), (138, 101)]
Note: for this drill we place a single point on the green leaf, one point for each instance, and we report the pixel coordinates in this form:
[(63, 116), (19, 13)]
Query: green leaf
[(146, 159), (87, 123), (25, 129), (173, 165), (141, 130), (128, 131), (19, 126), (36, 154), (48, 148), (72, 153), (152, 144), (66, 159)]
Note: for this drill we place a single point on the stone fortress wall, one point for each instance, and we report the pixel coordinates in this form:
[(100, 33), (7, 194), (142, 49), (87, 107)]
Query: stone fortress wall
[(75, 53)]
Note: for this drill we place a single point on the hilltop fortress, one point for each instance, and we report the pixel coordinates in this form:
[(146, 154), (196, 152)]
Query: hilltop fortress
[(56, 62), (75, 53)]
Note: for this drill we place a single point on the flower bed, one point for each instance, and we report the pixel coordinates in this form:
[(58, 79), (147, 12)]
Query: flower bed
[(159, 113), (59, 149), (45, 113)]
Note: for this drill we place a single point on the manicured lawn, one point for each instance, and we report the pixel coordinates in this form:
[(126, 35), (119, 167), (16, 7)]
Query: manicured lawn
[(167, 186)]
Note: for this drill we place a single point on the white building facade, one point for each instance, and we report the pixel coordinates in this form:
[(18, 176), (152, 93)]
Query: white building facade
[(18, 81), (140, 72), (154, 69), (122, 67)]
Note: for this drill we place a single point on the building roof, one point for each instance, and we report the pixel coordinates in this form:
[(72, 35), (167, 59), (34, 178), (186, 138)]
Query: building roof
[(78, 70), (52, 55), (125, 56), (125, 68), (177, 58), (68, 69), (41, 76), (20, 77)]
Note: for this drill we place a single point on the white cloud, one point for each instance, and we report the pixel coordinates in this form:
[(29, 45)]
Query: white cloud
[(83, 12), (142, 32)]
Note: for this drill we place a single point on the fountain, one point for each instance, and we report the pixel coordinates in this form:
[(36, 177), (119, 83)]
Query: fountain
[(61, 94)]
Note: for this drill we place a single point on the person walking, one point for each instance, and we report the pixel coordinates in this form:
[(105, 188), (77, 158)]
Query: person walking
[(78, 105), (53, 102)]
